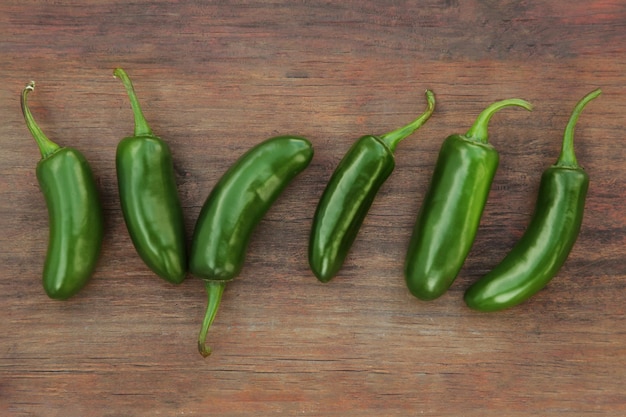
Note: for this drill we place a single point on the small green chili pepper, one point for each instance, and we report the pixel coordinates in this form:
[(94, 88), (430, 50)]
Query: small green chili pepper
[(350, 194), (232, 210), (74, 210), (149, 197), (539, 254), (453, 205)]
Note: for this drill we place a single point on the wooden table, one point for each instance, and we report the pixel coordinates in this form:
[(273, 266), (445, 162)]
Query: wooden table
[(217, 77)]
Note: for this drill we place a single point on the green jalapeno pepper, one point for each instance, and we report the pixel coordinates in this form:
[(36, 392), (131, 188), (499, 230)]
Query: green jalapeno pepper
[(453, 205), (149, 197), (74, 210), (232, 210), (350, 193), (542, 250)]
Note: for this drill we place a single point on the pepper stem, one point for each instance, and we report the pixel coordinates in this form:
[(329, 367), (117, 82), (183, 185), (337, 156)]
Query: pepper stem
[(214, 290), (46, 146), (141, 125), (567, 158), (392, 139), (479, 130)]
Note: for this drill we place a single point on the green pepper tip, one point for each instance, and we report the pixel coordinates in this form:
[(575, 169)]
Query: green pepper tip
[(141, 125), (46, 146), (117, 72), (478, 132), (567, 157), (392, 139), (204, 350), (214, 290), (430, 97)]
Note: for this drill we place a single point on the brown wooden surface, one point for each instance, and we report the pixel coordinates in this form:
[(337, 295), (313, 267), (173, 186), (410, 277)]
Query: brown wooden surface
[(216, 78)]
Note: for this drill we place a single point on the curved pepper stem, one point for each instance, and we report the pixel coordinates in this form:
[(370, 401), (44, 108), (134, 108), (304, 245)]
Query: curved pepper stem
[(567, 157), (392, 139), (214, 290), (479, 130), (46, 146), (141, 125)]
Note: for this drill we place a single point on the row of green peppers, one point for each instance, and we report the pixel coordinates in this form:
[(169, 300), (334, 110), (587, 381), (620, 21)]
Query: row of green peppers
[(443, 235)]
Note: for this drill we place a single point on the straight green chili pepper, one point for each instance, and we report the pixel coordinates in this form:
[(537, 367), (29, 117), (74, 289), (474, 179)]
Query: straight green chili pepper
[(350, 193), (232, 210), (453, 205), (149, 197), (537, 257), (74, 210)]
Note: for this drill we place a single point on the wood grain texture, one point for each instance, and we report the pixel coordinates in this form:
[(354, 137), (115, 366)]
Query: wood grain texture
[(217, 77)]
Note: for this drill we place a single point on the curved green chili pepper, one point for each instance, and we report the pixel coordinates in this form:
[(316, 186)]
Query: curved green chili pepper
[(350, 194), (232, 210), (149, 198), (450, 214), (74, 210), (539, 254)]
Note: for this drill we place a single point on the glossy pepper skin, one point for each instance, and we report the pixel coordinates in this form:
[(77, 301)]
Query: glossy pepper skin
[(232, 210), (448, 220), (74, 210), (149, 197), (350, 193), (543, 249)]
